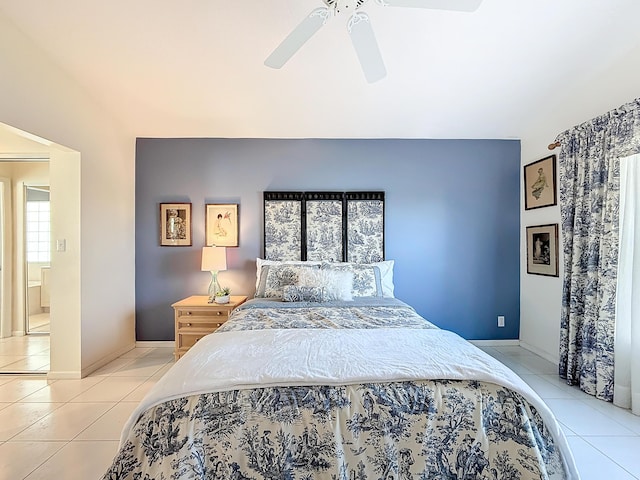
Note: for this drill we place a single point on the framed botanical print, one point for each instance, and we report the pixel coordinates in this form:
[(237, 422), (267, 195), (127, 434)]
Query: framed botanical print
[(540, 183), (175, 224), (542, 250), (221, 224)]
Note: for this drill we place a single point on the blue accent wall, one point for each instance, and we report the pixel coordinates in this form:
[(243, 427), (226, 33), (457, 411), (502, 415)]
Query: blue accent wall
[(452, 219)]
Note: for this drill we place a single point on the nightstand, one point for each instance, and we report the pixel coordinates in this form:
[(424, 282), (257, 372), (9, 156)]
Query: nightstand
[(195, 318)]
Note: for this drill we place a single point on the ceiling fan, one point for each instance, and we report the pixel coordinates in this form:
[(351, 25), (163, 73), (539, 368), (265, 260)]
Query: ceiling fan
[(360, 30)]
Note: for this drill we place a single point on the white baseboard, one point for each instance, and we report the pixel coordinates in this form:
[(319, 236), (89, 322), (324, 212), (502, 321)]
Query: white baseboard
[(156, 344), (18, 333), (541, 353), (495, 343), (67, 375), (106, 360), (60, 375)]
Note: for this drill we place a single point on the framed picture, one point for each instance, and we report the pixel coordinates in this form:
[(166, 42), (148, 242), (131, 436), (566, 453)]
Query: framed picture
[(540, 183), (221, 225), (542, 250), (175, 224)]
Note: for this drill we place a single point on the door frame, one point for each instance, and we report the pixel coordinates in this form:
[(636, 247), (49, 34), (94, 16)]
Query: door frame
[(25, 263), (6, 258)]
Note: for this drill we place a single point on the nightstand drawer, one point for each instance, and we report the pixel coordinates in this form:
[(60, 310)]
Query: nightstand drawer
[(186, 314), (189, 339), (209, 324), (189, 319)]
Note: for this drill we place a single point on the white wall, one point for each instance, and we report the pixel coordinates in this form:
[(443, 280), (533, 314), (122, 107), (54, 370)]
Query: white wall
[(92, 192), (575, 103)]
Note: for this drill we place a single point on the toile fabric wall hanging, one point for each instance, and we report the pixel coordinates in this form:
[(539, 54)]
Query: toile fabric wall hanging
[(324, 226)]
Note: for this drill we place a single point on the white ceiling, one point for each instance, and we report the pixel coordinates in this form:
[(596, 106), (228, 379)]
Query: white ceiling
[(194, 68)]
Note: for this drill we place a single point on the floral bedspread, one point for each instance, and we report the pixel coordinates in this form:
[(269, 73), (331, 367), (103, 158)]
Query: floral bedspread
[(400, 430), (366, 312), (411, 430)]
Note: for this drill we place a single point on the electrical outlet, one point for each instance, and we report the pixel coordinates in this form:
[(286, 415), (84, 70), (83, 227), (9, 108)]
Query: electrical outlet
[(501, 320)]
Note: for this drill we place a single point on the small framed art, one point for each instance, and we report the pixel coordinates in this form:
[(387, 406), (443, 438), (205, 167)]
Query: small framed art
[(221, 224), (542, 250), (540, 183), (175, 224)]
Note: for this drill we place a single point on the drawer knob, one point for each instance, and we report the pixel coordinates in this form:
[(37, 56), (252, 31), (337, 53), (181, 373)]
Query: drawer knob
[(187, 313), (219, 313), (188, 324)]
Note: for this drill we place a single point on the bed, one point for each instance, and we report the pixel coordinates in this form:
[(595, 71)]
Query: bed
[(326, 375)]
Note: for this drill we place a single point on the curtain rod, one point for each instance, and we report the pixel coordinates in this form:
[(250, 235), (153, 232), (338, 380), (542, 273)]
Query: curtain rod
[(554, 145)]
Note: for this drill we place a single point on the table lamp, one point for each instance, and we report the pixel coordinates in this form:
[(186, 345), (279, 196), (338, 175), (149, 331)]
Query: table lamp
[(214, 259)]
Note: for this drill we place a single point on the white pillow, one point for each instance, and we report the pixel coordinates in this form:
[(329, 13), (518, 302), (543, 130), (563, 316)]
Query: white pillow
[(386, 277), (335, 284)]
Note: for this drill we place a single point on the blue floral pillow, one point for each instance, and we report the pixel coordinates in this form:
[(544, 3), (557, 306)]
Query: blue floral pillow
[(299, 293), (273, 279), (366, 277)]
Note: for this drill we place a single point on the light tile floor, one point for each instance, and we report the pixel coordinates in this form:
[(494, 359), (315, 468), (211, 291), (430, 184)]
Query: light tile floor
[(27, 353), (605, 439), (69, 429)]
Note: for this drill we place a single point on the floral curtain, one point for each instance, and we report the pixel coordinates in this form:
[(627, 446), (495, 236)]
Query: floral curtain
[(589, 181)]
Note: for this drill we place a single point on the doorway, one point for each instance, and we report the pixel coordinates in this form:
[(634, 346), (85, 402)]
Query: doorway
[(24, 336), (60, 351), (37, 253)]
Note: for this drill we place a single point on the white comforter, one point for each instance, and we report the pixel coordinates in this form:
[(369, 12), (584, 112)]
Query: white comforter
[(261, 358)]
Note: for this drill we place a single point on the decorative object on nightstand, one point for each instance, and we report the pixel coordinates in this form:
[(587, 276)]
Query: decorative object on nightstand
[(196, 317), (223, 295), (214, 259)]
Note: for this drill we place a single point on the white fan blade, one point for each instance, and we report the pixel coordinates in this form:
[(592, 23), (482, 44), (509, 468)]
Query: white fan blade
[(364, 41), (457, 5), (298, 37)]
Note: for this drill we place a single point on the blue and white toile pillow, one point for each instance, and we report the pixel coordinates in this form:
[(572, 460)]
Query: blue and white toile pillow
[(335, 285), (366, 277), (273, 279), (299, 293)]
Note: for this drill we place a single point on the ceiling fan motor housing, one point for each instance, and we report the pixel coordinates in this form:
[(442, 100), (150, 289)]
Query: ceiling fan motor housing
[(344, 6)]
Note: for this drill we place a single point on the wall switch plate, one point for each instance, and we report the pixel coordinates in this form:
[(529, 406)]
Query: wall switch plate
[(61, 245), (501, 320)]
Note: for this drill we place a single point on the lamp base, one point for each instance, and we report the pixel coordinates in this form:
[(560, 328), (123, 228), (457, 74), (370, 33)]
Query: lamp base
[(214, 286)]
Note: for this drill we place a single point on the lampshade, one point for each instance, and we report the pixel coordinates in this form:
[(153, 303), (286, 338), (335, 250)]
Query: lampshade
[(214, 259)]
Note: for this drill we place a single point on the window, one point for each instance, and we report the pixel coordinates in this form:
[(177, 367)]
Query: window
[(38, 231)]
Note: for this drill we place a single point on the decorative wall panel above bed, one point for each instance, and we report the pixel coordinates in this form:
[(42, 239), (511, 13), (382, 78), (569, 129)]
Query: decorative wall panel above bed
[(324, 226)]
